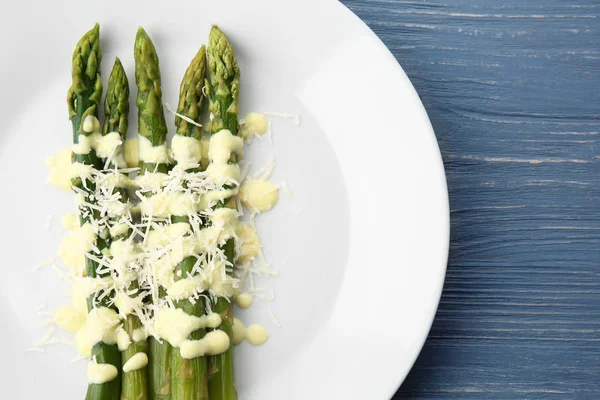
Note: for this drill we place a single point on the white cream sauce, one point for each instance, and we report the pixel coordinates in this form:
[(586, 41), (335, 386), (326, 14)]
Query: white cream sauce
[(101, 373), (137, 361), (259, 195)]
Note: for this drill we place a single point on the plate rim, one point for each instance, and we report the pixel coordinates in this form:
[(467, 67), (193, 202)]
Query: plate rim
[(442, 171)]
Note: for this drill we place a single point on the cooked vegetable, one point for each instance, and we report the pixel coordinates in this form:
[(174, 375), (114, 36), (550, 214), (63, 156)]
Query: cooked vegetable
[(151, 117), (84, 94), (116, 108), (189, 375), (222, 90), (152, 126), (83, 98)]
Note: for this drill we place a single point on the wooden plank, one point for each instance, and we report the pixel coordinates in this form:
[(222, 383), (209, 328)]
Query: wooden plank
[(513, 92)]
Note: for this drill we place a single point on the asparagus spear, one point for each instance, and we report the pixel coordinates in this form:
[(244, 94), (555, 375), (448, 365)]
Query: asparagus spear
[(151, 117), (83, 98), (116, 108), (86, 87), (191, 99), (152, 125), (222, 90), (189, 381)]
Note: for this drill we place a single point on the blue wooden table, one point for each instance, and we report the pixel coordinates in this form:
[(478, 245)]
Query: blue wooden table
[(512, 89)]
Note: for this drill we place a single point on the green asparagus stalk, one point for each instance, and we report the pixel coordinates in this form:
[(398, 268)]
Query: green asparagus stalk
[(222, 90), (84, 94), (151, 116), (83, 98), (116, 108), (189, 380), (223, 84), (116, 102), (135, 383), (152, 125), (191, 98), (85, 91)]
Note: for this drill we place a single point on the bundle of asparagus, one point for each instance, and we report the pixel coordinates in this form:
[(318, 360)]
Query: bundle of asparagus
[(125, 364)]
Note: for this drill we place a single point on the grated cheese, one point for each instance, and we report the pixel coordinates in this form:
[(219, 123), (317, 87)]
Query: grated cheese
[(45, 263), (274, 318), (152, 262), (295, 117), (286, 189)]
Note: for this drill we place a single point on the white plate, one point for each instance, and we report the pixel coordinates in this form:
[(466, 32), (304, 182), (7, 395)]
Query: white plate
[(361, 246)]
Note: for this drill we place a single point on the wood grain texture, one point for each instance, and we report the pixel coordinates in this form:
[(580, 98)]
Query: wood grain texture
[(512, 89)]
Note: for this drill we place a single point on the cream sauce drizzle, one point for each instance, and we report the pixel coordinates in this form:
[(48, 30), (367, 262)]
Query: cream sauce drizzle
[(253, 124), (256, 335), (259, 194), (175, 325), (213, 343), (60, 169), (101, 373), (152, 154), (102, 325), (75, 245), (137, 361), (239, 331), (243, 300), (131, 152)]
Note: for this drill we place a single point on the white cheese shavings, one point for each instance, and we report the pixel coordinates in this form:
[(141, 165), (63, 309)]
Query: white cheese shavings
[(286, 189), (295, 117), (273, 318), (46, 338), (45, 263), (183, 117), (48, 222), (143, 256)]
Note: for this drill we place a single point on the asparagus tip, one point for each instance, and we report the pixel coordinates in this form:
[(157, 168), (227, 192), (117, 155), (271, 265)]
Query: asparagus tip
[(141, 33)]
